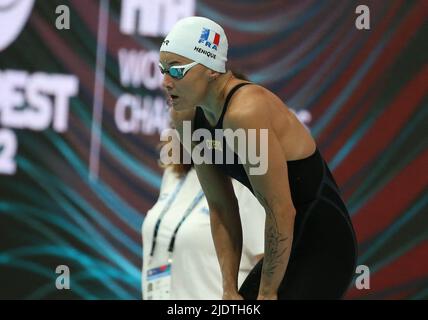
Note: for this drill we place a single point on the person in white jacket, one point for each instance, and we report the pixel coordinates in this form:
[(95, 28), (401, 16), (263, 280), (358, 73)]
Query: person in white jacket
[(179, 257)]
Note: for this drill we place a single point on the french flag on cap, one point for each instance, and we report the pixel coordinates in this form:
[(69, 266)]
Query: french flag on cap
[(210, 38)]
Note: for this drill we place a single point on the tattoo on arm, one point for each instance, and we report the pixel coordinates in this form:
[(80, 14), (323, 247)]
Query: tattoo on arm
[(274, 239)]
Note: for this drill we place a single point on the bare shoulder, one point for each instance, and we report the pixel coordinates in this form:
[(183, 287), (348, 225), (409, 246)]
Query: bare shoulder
[(251, 95), (248, 108)]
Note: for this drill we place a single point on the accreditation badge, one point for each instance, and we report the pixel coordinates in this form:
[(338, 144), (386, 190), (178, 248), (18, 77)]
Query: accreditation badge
[(158, 283)]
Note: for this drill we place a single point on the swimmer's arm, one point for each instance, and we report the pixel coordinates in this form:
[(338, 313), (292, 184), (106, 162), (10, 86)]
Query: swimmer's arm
[(225, 225), (224, 214), (258, 257), (273, 191)]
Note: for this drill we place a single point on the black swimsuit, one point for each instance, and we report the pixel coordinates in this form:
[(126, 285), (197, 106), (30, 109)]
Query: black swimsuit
[(324, 251)]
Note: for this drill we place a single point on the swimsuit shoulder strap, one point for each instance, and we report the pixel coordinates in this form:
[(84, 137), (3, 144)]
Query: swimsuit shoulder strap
[(226, 103)]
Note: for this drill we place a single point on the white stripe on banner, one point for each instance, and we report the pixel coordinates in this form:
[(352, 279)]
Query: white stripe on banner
[(99, 90)]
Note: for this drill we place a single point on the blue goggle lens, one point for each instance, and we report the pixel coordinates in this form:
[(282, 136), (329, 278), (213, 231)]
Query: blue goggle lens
[(174, 72), (177, 72)]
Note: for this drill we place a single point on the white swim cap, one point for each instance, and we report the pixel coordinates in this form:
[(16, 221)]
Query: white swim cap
[(199, 39)]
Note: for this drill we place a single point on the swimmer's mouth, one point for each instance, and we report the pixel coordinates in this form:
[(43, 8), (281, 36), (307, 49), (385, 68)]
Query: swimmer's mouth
[(173, 97)]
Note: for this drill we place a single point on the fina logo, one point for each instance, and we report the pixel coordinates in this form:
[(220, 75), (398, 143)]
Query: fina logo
[(13, 16)]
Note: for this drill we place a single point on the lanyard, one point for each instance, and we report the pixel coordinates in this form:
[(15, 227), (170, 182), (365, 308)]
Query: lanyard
[(167, 206), (188, 211)]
